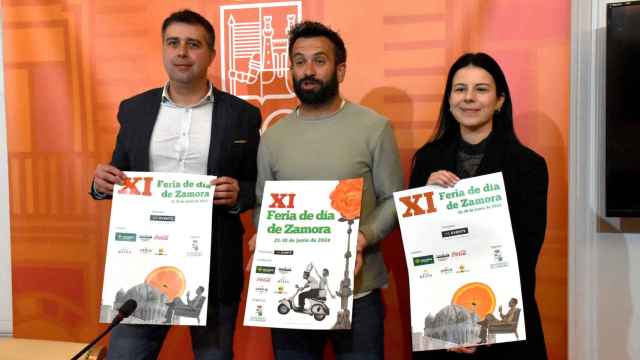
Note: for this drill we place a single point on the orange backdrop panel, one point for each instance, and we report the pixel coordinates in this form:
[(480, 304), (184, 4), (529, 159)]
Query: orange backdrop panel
[(69, 63)]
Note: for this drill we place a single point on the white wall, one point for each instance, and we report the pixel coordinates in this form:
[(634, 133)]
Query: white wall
[(6, 324), (604, 253)]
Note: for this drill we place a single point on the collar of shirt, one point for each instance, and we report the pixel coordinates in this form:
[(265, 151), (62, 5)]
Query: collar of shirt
[(166, 99)]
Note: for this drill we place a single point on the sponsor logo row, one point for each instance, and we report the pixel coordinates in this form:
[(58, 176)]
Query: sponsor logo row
[(272, 270), (143, 251), (132, 237), (460, 269), (429, 259), (154, 251), (266, 275), (498, 262)]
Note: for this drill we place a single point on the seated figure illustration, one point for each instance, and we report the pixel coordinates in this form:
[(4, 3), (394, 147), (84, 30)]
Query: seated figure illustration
[(508, 323), (191, 309)]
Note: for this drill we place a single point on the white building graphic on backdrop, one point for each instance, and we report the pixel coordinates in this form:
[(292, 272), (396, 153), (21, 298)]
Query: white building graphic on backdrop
[(254, 45)]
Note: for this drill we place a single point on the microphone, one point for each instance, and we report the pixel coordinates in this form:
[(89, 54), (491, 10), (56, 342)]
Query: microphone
[(124, 312)]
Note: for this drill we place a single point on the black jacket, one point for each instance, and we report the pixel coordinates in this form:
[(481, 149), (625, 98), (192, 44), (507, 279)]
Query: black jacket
[(232, 152), (526, 181)]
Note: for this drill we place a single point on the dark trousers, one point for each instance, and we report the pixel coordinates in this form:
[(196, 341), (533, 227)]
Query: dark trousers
[(143, 342), (313, 293)]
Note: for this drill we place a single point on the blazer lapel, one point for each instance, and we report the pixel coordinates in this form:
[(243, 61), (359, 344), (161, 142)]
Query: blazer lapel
[(219, 122), (148, 117)]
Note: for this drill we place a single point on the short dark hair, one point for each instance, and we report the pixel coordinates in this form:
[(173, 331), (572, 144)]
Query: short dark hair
[(311, 29), (187, 16)]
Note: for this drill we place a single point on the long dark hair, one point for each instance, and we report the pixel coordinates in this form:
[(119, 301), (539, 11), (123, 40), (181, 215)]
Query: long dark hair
[(502, 120)]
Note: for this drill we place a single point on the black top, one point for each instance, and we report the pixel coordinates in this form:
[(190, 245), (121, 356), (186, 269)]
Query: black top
[(526, 181), (469, 157)]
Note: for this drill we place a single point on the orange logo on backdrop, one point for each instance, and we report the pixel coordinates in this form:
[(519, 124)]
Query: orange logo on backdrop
[(254, 58)]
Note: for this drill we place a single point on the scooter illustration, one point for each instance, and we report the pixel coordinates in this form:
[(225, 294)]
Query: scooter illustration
[(316, 296), (318, 308)]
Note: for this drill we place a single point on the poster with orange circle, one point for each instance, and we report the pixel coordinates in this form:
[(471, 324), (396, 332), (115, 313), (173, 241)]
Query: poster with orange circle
[(463, 268), (158, 249)]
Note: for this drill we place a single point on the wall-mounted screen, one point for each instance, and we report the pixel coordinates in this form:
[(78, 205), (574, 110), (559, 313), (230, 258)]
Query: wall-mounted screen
[(623, 110)]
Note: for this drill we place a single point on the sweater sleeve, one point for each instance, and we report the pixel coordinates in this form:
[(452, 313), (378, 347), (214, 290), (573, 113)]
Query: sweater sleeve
[(387, 178)]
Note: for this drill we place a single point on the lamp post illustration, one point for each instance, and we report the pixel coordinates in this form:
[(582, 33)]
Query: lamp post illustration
[(345, 291), (346, 199)]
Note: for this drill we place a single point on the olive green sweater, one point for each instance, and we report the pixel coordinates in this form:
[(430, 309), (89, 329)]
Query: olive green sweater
[(354, 142)]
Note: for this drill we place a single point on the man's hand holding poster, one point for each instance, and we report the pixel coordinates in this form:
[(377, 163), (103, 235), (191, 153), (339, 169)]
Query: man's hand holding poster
[(303, 267), (462, 262)]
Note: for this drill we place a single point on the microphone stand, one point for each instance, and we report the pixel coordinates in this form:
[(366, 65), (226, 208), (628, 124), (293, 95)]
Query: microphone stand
[(115, 322)]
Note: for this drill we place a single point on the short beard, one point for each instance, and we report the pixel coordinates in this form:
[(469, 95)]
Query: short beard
[(327, 91)]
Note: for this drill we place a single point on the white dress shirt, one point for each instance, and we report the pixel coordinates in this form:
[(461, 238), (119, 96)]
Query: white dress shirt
[(181, 136)]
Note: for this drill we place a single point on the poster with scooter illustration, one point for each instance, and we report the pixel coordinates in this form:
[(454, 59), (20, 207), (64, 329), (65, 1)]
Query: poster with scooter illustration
[(303, 267)]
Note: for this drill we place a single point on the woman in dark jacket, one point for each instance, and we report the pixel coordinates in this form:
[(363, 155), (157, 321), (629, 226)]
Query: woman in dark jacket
[(475, 136)]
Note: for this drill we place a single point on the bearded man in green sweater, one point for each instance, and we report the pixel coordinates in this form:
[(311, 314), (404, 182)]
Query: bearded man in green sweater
[(329, 138)]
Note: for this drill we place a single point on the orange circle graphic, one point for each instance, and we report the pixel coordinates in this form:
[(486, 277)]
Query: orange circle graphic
[(168, 279), (476, 296)]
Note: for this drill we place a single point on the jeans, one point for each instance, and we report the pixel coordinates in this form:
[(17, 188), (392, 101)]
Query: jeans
[(365, 340), (211, 342)]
